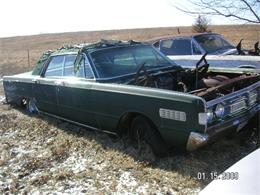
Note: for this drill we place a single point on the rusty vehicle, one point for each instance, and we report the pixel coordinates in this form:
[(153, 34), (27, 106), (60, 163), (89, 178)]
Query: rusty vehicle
[(128, 87), (186, 50)]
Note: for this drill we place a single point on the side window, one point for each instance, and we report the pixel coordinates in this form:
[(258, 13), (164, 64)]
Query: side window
[(69, 65), (66, 66), (55, 67), (176, 47), (73, 69)]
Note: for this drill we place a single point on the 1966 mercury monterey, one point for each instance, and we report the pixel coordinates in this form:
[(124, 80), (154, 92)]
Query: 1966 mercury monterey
[(130, 87)]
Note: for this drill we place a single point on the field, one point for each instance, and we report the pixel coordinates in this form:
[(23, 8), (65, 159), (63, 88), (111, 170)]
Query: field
[(39, 154), (14, 50)]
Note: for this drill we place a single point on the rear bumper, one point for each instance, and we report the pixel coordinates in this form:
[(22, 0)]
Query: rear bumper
[(197, 140)]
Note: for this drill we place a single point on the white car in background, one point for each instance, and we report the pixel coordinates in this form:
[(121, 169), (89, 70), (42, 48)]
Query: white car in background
[(186, 50)]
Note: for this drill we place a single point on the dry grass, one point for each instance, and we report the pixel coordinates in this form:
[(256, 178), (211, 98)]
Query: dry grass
[(13, 50), (43, 155)]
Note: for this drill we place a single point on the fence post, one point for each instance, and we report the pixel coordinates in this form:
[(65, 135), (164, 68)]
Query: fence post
[(28, 57)]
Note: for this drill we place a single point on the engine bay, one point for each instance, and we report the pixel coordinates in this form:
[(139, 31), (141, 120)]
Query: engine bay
[(200, 81)]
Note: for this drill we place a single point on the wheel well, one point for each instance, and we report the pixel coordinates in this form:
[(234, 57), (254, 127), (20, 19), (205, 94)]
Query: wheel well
[(125, 121)]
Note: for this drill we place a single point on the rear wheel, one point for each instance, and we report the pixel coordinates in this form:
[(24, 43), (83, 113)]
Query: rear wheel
[(143, 130)]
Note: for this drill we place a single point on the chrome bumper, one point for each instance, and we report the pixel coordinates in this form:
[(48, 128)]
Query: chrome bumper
[(197, 140)]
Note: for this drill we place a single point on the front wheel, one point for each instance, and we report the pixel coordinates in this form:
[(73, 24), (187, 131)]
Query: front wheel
[(143, 129)]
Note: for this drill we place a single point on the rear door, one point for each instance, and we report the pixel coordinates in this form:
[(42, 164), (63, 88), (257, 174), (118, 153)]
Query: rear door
[(45, 88)]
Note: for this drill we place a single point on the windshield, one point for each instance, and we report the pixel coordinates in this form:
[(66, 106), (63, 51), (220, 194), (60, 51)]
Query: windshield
[(213, 43), (111, 62)]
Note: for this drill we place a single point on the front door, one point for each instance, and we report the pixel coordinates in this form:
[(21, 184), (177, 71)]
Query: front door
[(75, 97)]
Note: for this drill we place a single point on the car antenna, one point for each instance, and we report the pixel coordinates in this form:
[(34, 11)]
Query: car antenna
[(203, 58)]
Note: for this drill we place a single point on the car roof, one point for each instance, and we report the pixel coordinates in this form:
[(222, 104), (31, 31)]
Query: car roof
[(185, 35), (109, 44), (89, 47), (84, 47), (68, 49)]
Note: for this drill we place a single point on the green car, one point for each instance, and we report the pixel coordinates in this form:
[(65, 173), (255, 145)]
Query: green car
[(128, 87)]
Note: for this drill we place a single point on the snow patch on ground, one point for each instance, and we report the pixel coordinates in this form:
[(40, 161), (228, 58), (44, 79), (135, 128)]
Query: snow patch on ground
[(126, 181), (76, 163), (2, 99)]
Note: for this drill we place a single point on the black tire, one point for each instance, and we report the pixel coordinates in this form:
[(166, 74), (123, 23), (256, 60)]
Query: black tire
[(142, 128)]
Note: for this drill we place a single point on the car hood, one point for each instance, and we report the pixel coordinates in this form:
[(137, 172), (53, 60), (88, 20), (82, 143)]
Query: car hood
[(219, 61)]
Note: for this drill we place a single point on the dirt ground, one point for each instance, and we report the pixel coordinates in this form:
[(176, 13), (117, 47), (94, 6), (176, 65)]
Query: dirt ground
[(39, 154)]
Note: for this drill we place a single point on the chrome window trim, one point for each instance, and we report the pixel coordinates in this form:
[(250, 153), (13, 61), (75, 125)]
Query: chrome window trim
[(63, 66), (91, 63), (85, 64), (64, 53), (160, 42), (191, 49), (193, 42), (198, 46), (130, 74)]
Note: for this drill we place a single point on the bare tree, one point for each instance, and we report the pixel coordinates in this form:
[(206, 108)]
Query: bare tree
[(243, 10), (201, 24)]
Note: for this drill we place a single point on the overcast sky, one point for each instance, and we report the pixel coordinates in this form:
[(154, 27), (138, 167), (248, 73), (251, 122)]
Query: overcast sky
[(26, 17)]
